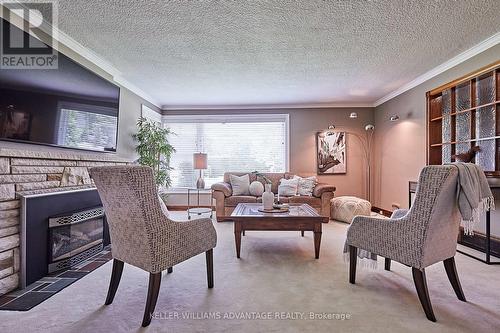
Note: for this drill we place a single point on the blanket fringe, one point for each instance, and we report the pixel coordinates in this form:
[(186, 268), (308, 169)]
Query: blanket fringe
[(362, 262), (484, 205)]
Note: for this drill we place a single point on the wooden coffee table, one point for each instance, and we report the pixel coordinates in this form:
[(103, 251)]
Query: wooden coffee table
[(301, 217)]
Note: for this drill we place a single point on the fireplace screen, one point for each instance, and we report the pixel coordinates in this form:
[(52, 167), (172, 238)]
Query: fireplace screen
[(75, 237)]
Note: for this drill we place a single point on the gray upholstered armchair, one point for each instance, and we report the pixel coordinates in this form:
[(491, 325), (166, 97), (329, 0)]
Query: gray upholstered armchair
[(142, 235), (420, 237)]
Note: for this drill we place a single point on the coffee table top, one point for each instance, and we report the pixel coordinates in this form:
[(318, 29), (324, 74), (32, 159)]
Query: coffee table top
[(296, 210)]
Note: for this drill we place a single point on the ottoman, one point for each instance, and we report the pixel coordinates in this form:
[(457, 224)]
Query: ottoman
[(345, 208)]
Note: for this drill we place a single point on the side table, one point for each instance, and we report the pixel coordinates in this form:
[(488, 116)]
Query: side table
[(196, 208)]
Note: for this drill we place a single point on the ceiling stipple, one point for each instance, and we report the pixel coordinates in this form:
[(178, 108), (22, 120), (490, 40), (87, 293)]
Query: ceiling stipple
[(205, 53)]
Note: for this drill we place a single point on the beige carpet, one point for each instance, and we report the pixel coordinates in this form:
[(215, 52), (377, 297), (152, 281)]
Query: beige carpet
[(277, 273)]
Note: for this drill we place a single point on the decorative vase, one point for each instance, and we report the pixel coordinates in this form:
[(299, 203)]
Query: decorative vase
[(268, 197)]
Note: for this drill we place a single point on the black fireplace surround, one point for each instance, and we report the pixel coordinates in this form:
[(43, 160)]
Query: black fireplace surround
[(44, 246)]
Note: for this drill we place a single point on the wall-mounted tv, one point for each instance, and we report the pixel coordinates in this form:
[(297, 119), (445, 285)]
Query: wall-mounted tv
[(69, 106)]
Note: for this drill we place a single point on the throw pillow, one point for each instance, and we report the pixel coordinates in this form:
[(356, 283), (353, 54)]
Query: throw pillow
[(288, 187), (240, 185), (306, 185), (256, 188)]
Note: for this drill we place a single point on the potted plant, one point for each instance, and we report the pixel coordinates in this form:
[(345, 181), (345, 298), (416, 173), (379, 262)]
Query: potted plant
[(154, 149), (261, 175)]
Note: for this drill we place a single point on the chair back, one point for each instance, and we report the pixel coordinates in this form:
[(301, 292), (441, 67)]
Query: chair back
[(130, 200), (435, 217)]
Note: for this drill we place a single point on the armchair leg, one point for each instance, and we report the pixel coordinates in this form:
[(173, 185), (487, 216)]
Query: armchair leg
[(153, 290), (387, 265), (353, 254), (302, 233), (422, 292), (116, 275), (209, 256), (451, 271)]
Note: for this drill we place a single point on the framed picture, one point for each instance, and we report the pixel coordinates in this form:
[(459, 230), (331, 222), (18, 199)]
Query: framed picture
[(331, 153), (14, 124)]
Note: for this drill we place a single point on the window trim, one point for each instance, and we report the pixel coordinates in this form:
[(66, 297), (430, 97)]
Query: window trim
[(237, 118)]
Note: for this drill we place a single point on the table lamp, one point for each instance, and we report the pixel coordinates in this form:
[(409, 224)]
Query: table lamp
[(200, 163)]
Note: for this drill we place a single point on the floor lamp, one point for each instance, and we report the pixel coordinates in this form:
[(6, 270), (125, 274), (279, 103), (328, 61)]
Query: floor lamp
[(366, 144)]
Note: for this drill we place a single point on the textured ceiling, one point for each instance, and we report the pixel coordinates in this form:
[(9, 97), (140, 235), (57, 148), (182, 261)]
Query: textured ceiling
[(227, 52)]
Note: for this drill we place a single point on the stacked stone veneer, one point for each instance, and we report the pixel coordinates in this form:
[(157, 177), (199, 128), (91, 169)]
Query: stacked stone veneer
[(28, 172)]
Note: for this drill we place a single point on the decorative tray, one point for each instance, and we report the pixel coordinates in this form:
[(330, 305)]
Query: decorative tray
[(274, 210)]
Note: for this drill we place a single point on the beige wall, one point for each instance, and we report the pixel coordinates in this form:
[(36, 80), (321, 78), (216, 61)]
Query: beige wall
[(304, 123), (400, 147)]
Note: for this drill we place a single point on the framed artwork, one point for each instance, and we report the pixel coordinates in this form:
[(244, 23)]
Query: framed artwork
[(331, 152), (14, 124)]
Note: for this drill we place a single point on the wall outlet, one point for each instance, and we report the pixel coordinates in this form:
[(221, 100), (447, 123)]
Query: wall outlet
[(396, 205)]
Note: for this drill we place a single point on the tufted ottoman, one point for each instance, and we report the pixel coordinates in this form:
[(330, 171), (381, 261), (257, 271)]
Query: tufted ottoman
[(345, 208)]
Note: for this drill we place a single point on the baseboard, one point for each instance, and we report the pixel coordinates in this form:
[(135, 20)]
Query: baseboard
[(381, 211), (182, 208)]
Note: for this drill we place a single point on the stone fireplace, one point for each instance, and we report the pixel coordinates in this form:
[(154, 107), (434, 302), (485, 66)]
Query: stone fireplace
[(24, 173)]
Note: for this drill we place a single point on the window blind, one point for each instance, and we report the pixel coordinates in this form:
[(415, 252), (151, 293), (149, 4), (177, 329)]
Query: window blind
[(233, 144)]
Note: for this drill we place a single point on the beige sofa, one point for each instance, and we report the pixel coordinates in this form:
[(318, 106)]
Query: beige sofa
[(226, 201)]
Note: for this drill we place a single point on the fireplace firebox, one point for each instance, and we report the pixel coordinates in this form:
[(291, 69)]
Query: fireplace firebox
[(59, 230), (75, 237)]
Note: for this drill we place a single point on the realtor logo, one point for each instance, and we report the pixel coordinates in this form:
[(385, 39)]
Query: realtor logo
[(27, 35)]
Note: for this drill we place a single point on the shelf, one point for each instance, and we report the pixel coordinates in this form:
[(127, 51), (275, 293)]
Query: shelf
[(466, 141), (455, 121), (467, 110)]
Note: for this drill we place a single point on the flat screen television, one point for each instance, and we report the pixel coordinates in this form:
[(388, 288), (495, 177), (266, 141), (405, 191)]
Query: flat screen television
[(70, 106)]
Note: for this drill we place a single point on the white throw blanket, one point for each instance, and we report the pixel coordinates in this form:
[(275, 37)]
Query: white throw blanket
[(474, 197), (473, 194)]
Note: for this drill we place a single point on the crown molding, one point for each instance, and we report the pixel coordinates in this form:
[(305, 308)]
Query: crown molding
[(460, 58), (265, 106), (62, 38)]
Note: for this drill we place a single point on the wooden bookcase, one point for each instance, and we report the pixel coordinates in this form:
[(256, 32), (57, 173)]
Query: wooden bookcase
[(466, 113)]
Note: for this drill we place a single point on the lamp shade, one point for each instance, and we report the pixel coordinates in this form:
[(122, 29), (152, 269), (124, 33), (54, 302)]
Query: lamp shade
[(199, 161)]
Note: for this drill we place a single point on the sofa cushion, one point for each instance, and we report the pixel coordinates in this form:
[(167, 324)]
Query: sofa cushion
[(240, 184), (281, 199), (227, 176), (288, 187), (346, 208), (311, 201), (234, 200), (275, 180)]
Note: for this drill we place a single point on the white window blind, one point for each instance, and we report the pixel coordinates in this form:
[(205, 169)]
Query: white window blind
[(233, 143)]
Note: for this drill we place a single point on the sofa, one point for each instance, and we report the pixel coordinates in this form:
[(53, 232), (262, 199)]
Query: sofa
[(225, 201)]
